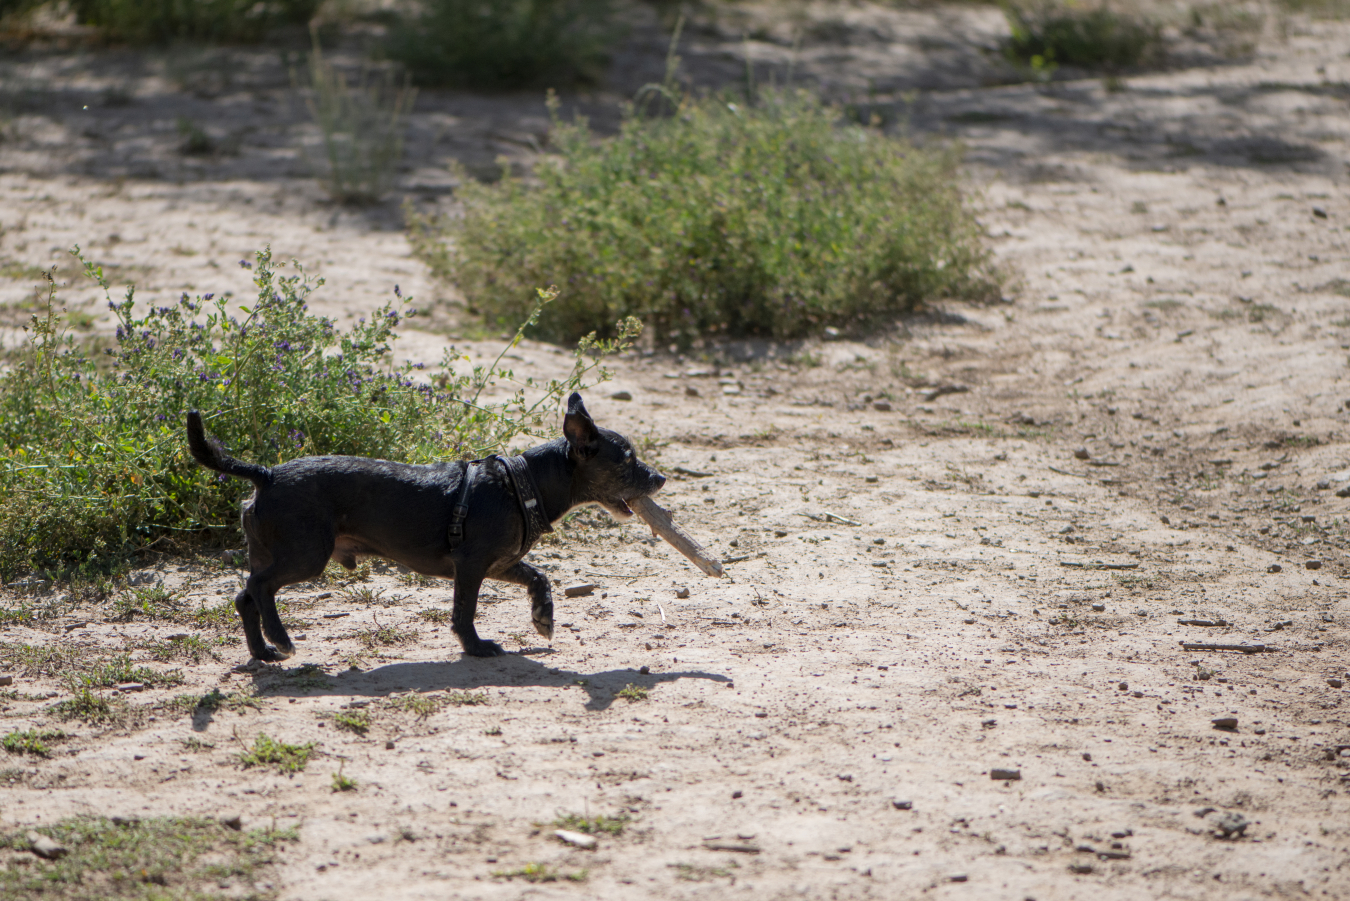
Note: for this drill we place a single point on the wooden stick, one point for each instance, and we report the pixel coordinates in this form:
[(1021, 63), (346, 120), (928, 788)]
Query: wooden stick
[(664, 526), (1244, 648)]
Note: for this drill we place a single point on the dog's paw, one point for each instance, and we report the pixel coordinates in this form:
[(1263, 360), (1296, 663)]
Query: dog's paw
[(543, 622), (485, 649), (272, 655)]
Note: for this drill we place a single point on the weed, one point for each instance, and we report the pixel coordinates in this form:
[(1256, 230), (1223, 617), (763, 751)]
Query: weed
[(195, 744), (362, 126), (632, 693), (357, 721), (1166, 304), (190, 648), (466, 698), (1050, 33), (32, 741), (92, 457), (212, 701), (1260, 312), (39, 660), (89, 707), (592, 825), (727, 218), (267, 751), (438, 615), (107, 672), (152, 602), (1065, 620), (495, 730), (364, 594), (539, 872), (506, 44), (221, 616), (343, 783), (385, 636), (420, 706), (141, 859)]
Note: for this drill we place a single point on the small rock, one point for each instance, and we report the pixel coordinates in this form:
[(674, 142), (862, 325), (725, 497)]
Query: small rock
[(957, 877), (645, 671), (1005, 775), (1231, 825), (45, 847), (1335, 683), (1226, 723), (690, 391), (902, 805), (232, 821), (1082, 454), (389, 745), (581, 590), (681, 592), (1124, 686), (6, 680), (1274, 568), (1087, 756), (737, 794), (131, 686), (1313, 564), (882, 406), (761, 714), (1319, 212), (621, 395), (1098, 608), (1080, 867), (377, 838)]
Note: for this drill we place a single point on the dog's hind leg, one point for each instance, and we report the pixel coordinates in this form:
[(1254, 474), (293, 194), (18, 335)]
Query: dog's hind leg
[(462, 614), (541, 596), (257, 603), (248, 615)]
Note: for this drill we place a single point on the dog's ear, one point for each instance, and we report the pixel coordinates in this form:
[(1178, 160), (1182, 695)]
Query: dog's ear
[(580, 429)]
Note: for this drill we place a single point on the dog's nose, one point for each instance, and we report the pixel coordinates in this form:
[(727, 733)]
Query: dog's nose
[(659, 481)]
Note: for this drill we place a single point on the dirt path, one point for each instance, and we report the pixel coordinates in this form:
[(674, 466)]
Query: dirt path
[(974, 545)]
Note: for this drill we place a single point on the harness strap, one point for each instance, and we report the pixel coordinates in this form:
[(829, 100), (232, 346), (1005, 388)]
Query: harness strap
[(460, 510), (527, 495)]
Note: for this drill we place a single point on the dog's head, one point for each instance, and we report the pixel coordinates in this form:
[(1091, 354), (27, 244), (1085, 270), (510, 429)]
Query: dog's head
[(608, 471)]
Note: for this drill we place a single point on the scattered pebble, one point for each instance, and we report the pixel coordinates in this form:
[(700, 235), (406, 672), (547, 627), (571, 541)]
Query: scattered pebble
[(1231, 825), (579, 839), (902, 805), (681, 592), (645, 671), (1098, 608), (45, 847), (1005, 775), (377, 838), (1334, 683), (957, 877), (1082, 454), (1313, 564), (579, 590), (1274, 568), (690, 391), (389, 745), (621, 395), (1227, 723), (232, 821), (6, 680), (882, 406)]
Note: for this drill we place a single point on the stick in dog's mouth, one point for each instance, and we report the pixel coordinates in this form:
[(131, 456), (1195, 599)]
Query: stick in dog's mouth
[(662, 524)]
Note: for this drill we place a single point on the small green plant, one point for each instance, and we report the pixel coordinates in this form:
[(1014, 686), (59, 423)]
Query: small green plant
[(357, 721), (151, 602), (633, 693), (539, 872), (140, 859), (89, 707), (689, 872), (107, 672), (196, 745), (385, 636), (189, 648), (505, 44), (438, 615), (267, 751), (420, 706), (365, 594), (466, 698), (592, 825), (362, 126), (33, 741), (343, 783), (729, 217), (1050, 33)]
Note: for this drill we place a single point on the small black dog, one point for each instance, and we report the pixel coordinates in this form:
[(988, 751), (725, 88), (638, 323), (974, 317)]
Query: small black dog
[(466, 521)]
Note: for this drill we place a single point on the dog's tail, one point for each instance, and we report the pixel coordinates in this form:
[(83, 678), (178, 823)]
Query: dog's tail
[(209, 453)]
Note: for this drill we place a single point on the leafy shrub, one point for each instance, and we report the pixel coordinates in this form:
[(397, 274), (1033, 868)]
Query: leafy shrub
[(1049, 33), (362, 127), (93, 460), (267, 751), (160, 21), (723, 219), (504, 44)]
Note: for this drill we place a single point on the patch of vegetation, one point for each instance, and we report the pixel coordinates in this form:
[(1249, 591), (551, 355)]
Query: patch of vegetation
[(189, 648), (149, 601), (1260, 312), (420, 706), (505, 44), (690, 872), (385, 636), (40, 660), (32, 741), (362, 126), (142, 860), (267, 751), (632, 693), (1050, 33), (539, 872), (466, 698), (343, 783), (93, 460), (730, 217), (107, 672), (357, 721), (162, 21), (438, 615), (91, 708), (212, 701), (364, 594), (1318, 9), (592, 825)]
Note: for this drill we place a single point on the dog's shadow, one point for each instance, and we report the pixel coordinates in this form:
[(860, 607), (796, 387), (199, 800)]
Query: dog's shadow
[(464, 674)]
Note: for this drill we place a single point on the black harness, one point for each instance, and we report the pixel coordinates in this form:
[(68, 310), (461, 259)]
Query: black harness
[(522, 483)]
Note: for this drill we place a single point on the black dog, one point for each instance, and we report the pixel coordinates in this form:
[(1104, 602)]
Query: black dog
[(466, 521)]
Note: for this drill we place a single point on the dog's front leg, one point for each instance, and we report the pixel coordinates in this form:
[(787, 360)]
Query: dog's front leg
[(462, 614), (541, 596)]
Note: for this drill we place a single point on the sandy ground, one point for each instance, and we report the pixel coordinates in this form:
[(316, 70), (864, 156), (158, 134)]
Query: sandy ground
[(973, 544)]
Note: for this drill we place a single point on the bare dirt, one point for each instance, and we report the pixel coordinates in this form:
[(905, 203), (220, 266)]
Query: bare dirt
[(975, 543)]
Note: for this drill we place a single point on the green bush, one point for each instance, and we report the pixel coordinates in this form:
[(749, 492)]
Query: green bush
[(160, 21), (93, 459), (1050, 33), (504, 44), (725, 218)]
